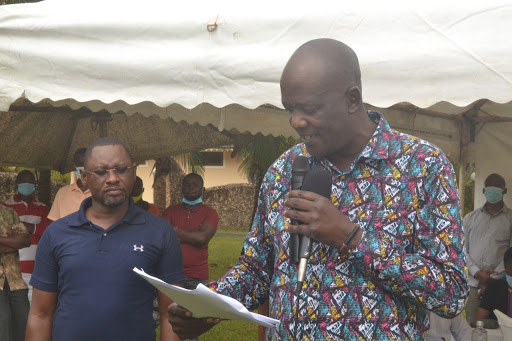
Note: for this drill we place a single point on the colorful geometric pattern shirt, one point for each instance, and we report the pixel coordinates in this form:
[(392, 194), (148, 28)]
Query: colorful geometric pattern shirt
[(401, 191)]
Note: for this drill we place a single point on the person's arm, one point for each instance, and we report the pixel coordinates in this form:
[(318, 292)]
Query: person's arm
[(166, 332), (18, 237), (470, 263), (431, 271), (15, 242), (482, 314), (199, 237), (40, 317)]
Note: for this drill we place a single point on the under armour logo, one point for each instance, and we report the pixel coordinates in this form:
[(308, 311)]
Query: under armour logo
[(138, 248)]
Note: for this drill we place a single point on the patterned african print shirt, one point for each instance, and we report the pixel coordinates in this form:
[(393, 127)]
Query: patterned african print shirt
[(10, 262), (401, 190)]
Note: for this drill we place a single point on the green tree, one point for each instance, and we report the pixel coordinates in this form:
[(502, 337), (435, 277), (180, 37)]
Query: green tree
[(259, 154)]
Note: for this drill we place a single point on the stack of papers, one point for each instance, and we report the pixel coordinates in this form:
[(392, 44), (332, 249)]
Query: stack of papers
[(505, 323), (203, 302)]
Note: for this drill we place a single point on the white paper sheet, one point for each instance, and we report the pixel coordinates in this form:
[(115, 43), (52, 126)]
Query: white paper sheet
[(203, 302)]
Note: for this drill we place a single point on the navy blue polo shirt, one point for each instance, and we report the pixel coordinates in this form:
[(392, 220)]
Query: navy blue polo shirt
[(99, 295)]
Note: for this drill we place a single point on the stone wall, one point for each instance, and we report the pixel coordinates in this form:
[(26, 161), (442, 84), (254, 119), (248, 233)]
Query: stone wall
[(234, 204)]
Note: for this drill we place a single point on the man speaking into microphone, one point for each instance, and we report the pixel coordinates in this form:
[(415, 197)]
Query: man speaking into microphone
[(386, 245)]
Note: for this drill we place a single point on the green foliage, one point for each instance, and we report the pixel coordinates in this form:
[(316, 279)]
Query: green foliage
[(223, 254), (260, 153), (192, 161), (469, 188)]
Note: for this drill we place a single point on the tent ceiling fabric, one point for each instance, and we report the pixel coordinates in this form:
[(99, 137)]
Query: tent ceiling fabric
[(223, 53), (48, 139), (425, 65)]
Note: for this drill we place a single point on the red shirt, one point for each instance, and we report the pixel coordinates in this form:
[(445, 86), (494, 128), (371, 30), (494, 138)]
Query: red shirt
[(195, 259), (34, 212)]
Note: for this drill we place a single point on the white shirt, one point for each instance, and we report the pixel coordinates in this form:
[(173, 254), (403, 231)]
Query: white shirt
[(487, 239)]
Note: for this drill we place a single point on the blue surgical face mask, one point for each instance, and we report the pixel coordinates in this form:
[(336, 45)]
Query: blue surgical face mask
[(493, 194), (78, 175), (26, 188), (509, 280), (192, 203)]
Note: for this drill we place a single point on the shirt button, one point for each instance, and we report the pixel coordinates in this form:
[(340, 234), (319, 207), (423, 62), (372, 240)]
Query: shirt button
[(105, 234)]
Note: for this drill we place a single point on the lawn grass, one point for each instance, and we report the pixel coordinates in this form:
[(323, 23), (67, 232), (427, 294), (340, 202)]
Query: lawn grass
[(223, 254)]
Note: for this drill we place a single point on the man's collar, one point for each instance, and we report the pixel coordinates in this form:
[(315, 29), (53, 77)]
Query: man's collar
[(504, 209), (134, 215), (18, 199), (377, 147)]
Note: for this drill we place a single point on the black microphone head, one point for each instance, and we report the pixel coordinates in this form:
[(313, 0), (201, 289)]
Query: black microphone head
[(318, 181), (300, 165)]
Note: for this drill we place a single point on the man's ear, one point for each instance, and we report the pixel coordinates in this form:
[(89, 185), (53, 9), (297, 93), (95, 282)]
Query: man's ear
[(505, 191), (354, 99)]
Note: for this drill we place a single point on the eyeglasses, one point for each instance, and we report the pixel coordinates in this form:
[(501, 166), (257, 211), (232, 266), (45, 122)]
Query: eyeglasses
[(103, 173)]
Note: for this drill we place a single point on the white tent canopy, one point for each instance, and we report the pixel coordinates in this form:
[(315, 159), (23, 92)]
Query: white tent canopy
[(442, 71)]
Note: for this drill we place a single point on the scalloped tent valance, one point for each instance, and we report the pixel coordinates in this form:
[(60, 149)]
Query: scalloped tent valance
[(219, 63)]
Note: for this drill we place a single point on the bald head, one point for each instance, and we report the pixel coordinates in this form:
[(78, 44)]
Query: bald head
[(328, 57)]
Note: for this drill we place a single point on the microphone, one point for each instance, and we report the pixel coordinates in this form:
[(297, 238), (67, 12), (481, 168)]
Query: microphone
[(318, 181), (300, 167)]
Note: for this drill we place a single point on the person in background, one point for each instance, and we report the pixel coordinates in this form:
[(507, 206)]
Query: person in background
[(138, 190), (195, 224), (387, 245), (84, 285), (34, 215), (14, 304), (488, 234), (68, 198), (498, 294)]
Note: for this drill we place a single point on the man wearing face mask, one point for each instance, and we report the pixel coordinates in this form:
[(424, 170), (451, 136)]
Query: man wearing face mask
[(488, 234), (70, 197), (195, 224), (33, 214)]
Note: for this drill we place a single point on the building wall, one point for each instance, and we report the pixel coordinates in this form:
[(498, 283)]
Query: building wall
[(213, 175), (144, 172), (224, 175)]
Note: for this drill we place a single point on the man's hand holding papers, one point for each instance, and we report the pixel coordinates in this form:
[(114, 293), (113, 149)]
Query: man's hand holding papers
[(204, 303)]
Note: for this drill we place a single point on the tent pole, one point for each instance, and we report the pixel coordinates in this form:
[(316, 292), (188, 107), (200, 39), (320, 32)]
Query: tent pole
[(44, 193), (463, 149)]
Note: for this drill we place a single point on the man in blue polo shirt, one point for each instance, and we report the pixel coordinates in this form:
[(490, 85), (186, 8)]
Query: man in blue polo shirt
[(84, 286)]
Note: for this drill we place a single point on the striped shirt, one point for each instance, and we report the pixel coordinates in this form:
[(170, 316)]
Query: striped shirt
[(34, 212)]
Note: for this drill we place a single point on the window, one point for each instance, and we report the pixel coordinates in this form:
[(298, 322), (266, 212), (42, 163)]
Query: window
[(215, 159)]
